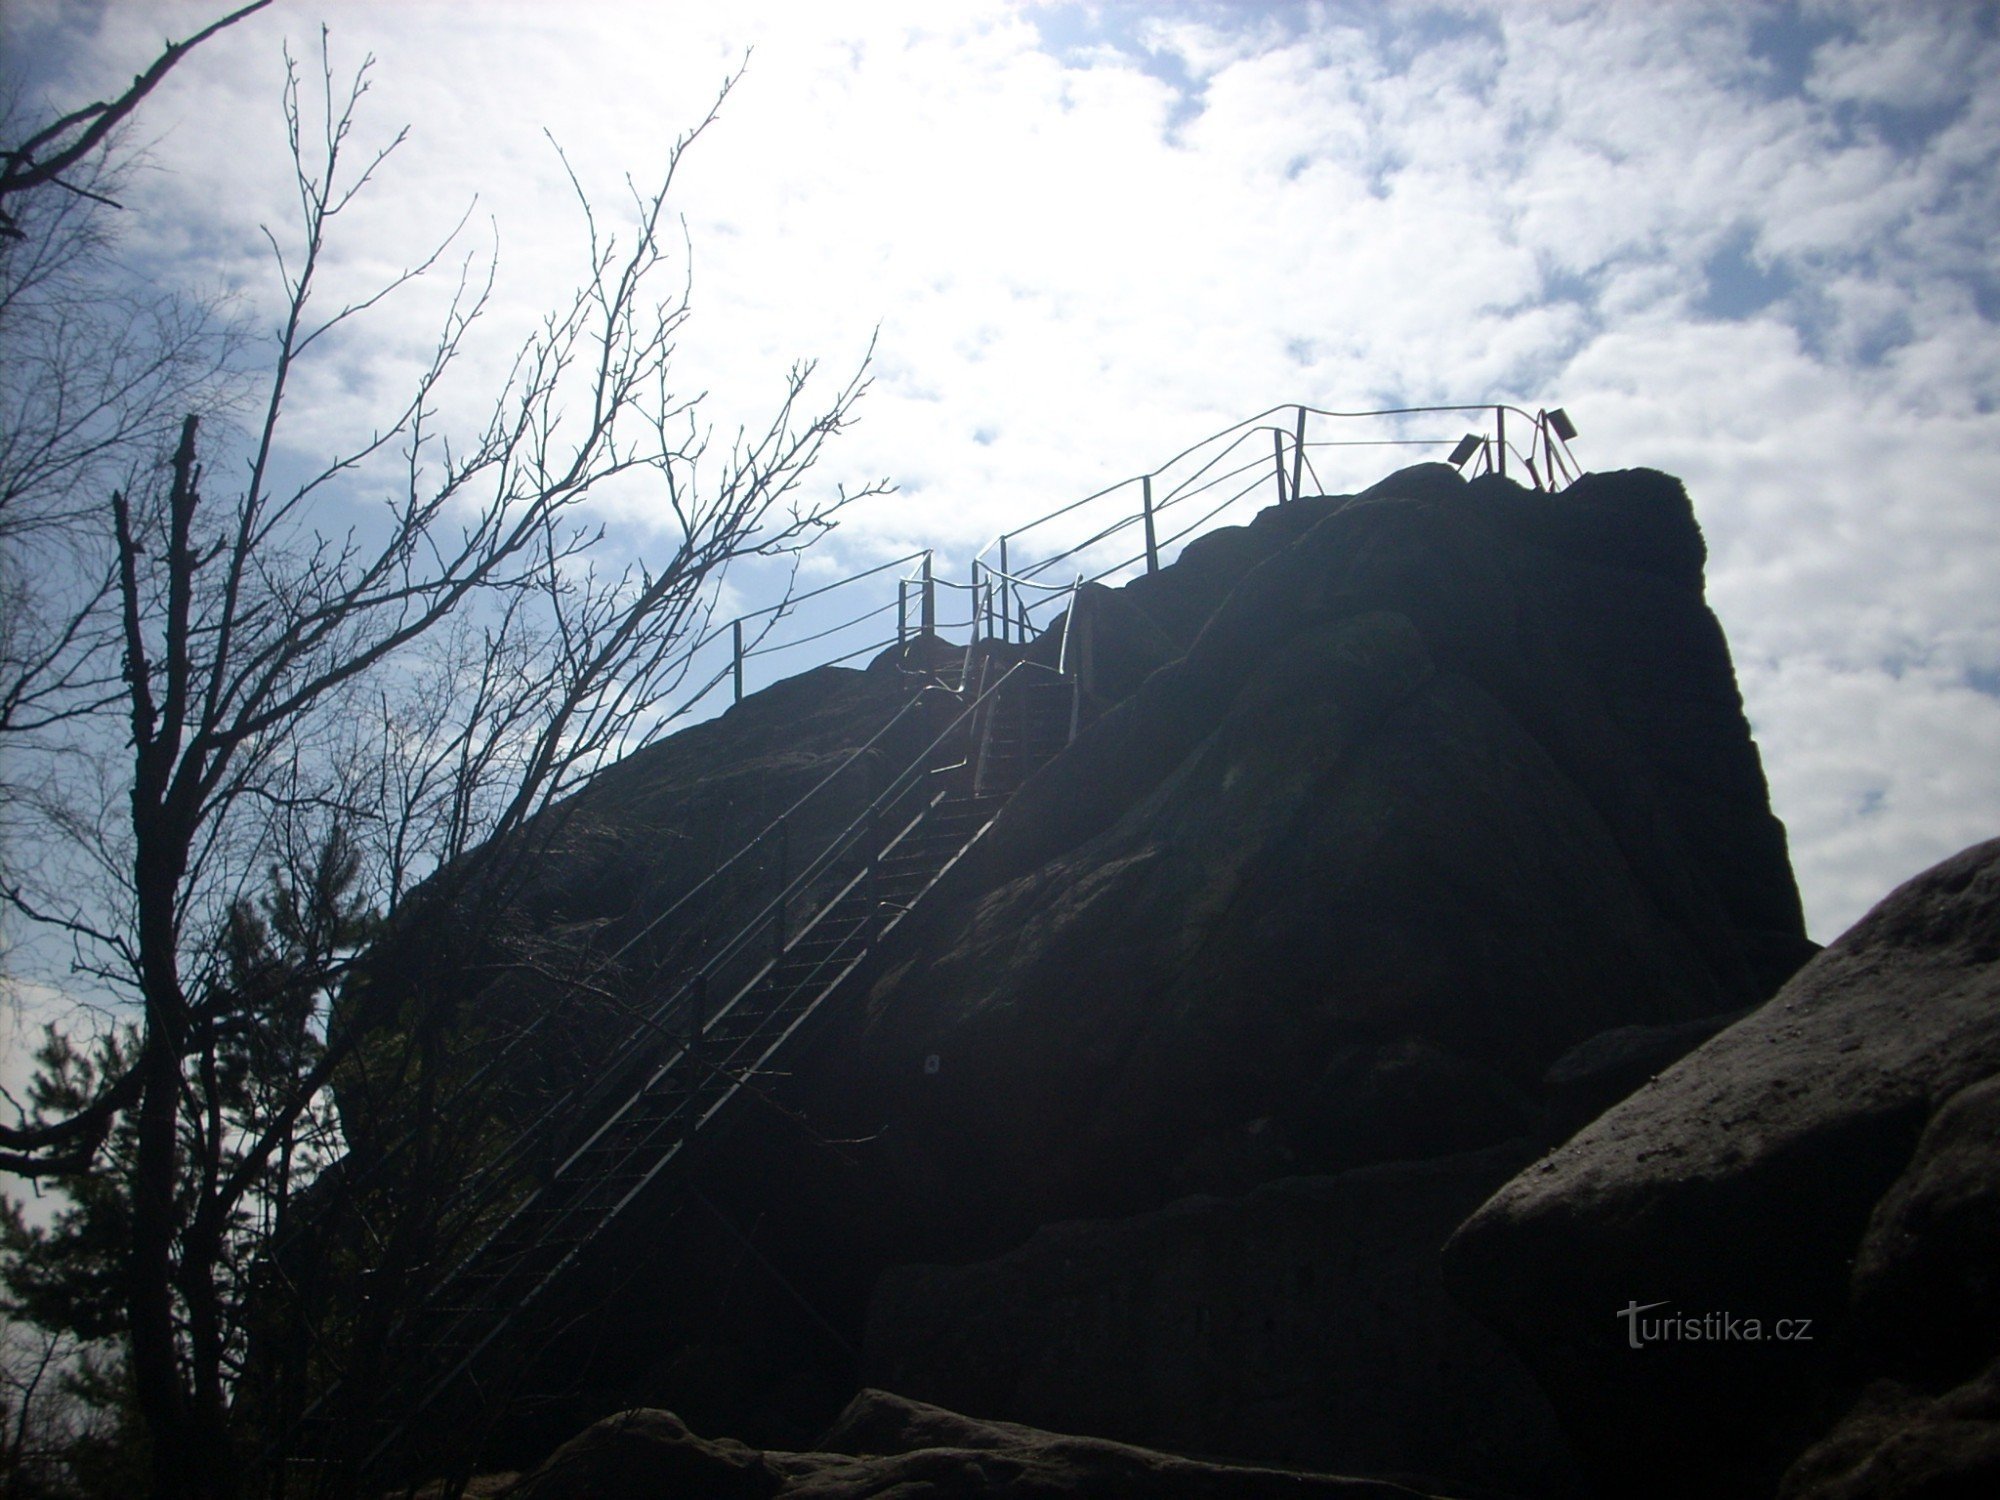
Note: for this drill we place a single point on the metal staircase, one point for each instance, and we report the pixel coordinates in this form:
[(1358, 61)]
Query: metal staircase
[(598, 1144), (699, 1051)]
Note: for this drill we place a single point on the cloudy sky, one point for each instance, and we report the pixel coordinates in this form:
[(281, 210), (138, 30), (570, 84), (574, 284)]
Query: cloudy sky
[(1746, 243)]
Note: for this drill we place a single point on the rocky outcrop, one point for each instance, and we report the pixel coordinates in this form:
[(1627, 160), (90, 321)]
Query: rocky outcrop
[(1415, 824), (1454, 778), (1404, 829), (884, 1446), (1807, 1201)]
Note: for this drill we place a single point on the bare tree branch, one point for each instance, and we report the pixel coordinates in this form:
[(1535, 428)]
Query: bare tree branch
[(42, 159)]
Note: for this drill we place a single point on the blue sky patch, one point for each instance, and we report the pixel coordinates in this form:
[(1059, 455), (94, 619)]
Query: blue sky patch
[(1785, 42), (1739, 286)]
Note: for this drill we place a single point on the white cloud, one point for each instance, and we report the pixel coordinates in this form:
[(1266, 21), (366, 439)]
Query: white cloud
[(1076, 272)]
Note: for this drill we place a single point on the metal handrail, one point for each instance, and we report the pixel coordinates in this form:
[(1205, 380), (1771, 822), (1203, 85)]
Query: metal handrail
[(820, 635), (679, 997), (1014, 611), (1547, 458), (1548, 443), (521, 1037), (655, 1021), (786, 605)]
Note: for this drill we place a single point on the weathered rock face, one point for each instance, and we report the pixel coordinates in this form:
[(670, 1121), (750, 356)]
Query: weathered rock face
[(1832, 1161), (884, 1446), (1454, 778), (1306, 1323)]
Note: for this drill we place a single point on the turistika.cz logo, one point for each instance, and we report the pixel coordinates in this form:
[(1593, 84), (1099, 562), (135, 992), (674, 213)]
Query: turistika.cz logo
[(1707, 1328)]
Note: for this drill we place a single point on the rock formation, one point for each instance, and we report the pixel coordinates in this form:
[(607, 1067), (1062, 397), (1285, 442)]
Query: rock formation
[(1453, 778), (1815, 1195), (1407, 830), (1408, 797)]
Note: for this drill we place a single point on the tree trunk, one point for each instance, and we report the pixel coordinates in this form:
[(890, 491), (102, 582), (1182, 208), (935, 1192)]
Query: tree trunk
[(155, 1368)]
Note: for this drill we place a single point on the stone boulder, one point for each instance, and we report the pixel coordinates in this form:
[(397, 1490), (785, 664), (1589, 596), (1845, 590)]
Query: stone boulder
[(1900, 1444), (1927, 1279), (646, 1453), (1383, 807), (1803, 1203), (885, 1446)]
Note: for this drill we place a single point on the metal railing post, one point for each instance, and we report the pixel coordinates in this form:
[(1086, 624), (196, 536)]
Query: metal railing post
[(736, 630), (1500, 437), (902, 612), (1278, 459), (1299, 454), (928, 606), (1152, 546)]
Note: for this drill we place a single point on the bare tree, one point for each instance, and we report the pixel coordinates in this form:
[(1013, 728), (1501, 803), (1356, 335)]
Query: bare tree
[(97, 373), (474, 631), (50, 158)]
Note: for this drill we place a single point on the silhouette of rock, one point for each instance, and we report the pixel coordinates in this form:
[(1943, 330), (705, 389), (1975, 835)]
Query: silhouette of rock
[(1452, 779), (649, 1453), (1846, 1126), (1402, 828), (1445, 786)]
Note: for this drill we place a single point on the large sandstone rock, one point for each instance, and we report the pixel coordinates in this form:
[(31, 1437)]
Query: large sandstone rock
[(1454, 778), (1390, 804), (1774, 1174), (1305, 1323)]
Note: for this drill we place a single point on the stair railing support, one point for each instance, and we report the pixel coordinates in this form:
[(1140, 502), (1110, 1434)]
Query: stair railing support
[(1278, 459), (736, 631), (1006, 591), (1500, 437), (1146, 505), (1299, 454), (929, 604), (903, 614)]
